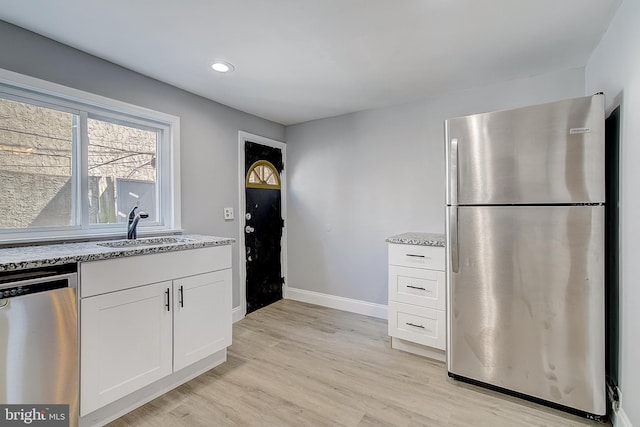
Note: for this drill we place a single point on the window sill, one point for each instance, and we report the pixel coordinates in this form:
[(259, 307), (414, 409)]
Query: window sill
[(106, 235)]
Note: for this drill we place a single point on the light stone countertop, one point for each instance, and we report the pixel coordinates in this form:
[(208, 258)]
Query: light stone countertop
[(421, 239), (24, 257)]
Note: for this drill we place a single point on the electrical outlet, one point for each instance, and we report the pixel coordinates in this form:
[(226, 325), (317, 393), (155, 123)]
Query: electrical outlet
[(228, 214)]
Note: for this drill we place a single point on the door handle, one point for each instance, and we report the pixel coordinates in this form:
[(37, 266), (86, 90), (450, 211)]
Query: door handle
[(181, 292), (453, 192), (453, 171), (168, 303), (453, 238)]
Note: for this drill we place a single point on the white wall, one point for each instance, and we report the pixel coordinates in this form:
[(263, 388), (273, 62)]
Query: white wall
[(358, 178), (209, 131), (614, 68)]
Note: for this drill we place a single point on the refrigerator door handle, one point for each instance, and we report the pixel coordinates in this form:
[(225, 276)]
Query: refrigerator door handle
[(454, 171), (453, 238)]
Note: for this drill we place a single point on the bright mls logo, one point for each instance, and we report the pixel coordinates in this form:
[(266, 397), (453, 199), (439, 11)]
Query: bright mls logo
[(34, 415)]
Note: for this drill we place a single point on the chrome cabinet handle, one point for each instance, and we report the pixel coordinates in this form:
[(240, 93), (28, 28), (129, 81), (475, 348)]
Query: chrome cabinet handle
[(415, 256), (416, 287), (414, 325), (168, 303), (181, 291)]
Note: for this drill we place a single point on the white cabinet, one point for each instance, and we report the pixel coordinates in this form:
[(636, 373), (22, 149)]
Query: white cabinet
[(125, 343), (417, 299), (133, 334), (202, 309)]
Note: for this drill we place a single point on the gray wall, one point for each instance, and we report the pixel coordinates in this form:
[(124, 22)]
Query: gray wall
[(354, 180), (209, 131), (614, 68), (358, 178)]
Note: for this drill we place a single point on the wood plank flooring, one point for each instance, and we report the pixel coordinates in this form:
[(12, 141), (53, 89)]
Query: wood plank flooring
[(296, 364)]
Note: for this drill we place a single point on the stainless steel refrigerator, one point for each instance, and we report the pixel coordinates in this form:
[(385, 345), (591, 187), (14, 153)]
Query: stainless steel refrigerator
[(525, 252)]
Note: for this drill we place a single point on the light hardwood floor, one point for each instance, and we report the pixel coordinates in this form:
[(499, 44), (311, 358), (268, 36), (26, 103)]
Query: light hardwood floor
[(296, 364)]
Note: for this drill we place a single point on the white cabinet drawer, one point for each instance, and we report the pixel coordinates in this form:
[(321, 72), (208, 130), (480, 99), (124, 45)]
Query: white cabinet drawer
[(417, 324), (417, 286), (110, 275), (431, 257)]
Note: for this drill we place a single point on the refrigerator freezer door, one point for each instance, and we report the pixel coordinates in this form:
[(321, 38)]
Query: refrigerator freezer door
[(550, 153), (526, 306)]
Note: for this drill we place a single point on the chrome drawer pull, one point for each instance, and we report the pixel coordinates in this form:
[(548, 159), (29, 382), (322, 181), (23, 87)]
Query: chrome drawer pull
[(415, 256), (414, 325), (416, 287)]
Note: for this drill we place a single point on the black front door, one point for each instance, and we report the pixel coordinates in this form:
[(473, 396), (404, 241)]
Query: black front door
[(263, 225)]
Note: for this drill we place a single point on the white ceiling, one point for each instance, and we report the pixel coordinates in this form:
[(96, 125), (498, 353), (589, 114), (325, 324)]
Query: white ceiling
[(299, 60)]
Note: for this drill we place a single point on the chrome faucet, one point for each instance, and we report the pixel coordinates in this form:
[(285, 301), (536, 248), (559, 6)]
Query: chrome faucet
[(134, 218)]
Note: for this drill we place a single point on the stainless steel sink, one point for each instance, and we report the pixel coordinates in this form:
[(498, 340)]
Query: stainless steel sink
[(149, 241)]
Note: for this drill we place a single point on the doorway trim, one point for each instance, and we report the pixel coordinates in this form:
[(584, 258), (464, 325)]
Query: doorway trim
[(242, 210)]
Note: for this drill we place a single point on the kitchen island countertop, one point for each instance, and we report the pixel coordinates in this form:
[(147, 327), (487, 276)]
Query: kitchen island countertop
[(26, 257), (415, 238)]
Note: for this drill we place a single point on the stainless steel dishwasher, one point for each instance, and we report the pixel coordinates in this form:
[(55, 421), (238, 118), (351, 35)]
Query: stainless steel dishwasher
[(39, 338)]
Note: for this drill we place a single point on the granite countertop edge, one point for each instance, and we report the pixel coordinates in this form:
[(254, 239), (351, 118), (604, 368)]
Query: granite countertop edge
[(27, 257), (416, 238)]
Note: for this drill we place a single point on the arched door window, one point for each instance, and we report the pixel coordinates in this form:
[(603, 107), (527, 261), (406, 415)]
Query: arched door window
[(263, 174)]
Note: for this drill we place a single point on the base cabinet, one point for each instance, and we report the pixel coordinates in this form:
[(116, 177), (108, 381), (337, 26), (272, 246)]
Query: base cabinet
[(125, 343), (202, 307), (133, 337), (417, 299)]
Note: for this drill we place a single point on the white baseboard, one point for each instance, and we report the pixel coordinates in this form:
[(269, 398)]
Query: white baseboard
[(237, 314), (339, 303), (620, 419)]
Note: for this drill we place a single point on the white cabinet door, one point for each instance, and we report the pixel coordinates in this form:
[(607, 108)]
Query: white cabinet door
[(202, 316), (125, 343)]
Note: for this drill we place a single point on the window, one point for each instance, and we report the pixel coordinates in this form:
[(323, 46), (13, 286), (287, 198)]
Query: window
[(263, 174), (36, 166), (122, 171), (76, 165)]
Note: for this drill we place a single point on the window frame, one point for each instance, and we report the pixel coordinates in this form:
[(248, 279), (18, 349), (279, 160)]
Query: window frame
[(86, 106), (160, 165)]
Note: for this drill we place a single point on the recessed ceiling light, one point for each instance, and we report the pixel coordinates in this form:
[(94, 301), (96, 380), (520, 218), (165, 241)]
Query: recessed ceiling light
[(222, 67)]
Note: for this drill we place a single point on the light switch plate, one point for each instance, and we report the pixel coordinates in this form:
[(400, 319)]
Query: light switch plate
[(228, 214)]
